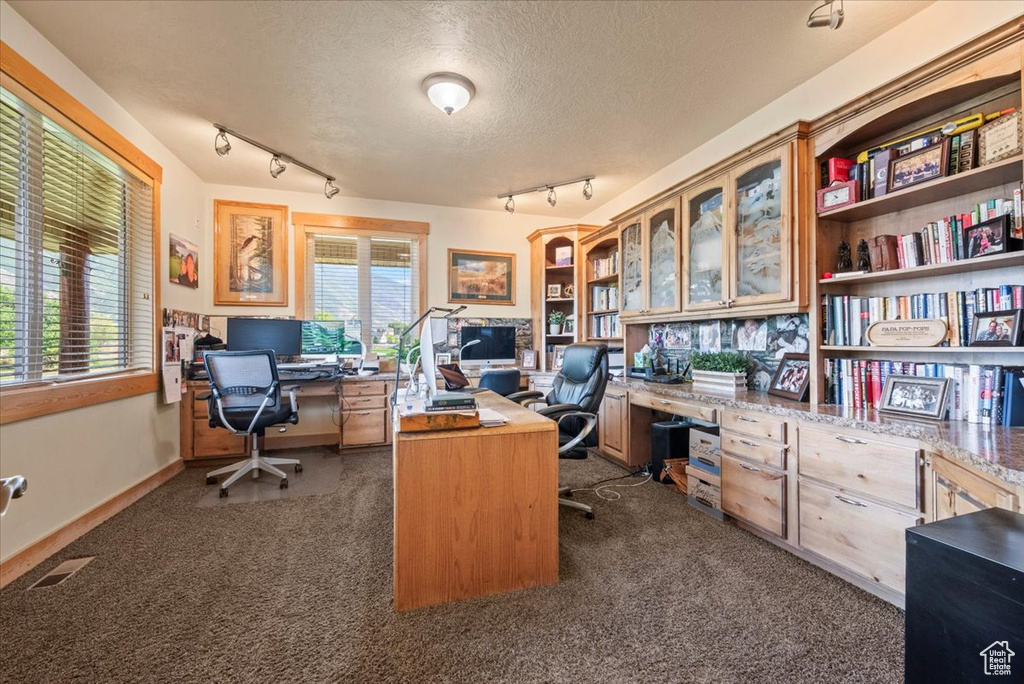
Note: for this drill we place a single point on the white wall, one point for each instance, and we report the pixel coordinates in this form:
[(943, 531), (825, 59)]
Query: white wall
[(78, 459), (935, 30), (494, 231)]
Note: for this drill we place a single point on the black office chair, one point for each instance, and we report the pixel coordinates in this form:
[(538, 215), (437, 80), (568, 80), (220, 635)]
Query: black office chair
[(574, 401), (245, 397), (503, 381)]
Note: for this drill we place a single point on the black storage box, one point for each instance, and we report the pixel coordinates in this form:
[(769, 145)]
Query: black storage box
[(669, 439)]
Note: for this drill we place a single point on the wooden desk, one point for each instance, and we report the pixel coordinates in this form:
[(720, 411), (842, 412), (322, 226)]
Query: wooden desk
[(476, 511)]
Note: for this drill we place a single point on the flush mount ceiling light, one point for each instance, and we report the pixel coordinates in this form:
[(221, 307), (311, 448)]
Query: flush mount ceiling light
[(448, 92), (827, 14), (278, 160), (588, 192)]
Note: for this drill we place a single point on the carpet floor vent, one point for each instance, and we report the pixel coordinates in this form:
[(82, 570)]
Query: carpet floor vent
[(62, 572)]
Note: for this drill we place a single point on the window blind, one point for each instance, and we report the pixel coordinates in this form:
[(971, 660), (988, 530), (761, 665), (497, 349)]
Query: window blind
[(76, 255), (370, 282)]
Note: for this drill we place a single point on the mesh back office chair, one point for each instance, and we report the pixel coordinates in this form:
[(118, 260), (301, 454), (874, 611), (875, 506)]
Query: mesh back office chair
[(245, 397), (574, 401), (504, 381)]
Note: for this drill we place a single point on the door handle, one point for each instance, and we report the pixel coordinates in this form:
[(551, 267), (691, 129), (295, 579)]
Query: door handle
[(851, 501)]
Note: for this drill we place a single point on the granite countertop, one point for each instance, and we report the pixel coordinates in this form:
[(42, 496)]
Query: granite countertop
[(998, 451)]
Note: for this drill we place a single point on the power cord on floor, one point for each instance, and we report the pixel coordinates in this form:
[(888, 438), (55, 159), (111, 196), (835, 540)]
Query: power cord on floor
[(608, 491)]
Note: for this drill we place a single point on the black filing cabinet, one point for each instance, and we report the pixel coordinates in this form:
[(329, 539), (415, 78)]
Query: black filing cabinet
[(965, 599)]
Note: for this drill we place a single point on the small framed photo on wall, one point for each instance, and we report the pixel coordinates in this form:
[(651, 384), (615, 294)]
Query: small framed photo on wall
[(996, 329), (914, 395)]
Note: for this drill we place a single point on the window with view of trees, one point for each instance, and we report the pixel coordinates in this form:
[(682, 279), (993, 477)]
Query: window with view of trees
[(369, 282), (76, 255)]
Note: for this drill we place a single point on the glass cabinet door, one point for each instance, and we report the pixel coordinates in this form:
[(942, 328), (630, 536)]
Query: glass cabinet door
[(632, 273), (762, 240), (704, 254), (662, 257)]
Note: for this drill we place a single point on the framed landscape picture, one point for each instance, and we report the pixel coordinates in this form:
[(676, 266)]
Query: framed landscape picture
[(250, 254), (481, 277)]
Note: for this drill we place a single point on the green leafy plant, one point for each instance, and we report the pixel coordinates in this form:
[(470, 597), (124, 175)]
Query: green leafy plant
[(556, 317), (722, 362)]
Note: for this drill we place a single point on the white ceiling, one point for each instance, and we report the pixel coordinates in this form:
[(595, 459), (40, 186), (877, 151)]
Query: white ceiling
[(564, 89)]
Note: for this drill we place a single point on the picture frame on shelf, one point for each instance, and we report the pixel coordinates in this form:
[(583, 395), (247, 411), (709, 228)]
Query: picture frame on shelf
[(996, 329), (563, 256), (986, 238), (558, 356), (528, 360), (554, 291), (1000, 139), (838, 195), (250, 254), (920, 166), (569, 326), (442, 359), (792, 377), (915, 396), (476, 277)]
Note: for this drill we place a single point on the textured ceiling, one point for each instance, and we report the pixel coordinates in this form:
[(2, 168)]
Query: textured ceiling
[(564, 89)]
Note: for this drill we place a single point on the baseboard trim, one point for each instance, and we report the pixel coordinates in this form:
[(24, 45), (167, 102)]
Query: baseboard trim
[(34, 554)]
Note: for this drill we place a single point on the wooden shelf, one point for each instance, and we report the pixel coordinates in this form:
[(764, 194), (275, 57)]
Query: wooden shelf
[(602, 312), (926, 350), (559, 268), (962, 266), (603, 279), (561, 335), (981, 178), (606, 339), (561, 299)]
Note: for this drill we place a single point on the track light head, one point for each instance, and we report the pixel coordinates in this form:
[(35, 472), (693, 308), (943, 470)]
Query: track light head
[(552, 197), (588, 190), (221, 143), (832, 16), (510, 205), (329, 190), (277, 167)]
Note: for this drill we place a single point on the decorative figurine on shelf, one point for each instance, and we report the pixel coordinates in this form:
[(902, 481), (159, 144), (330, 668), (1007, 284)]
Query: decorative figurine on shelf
[(863, 260), (844, 264)]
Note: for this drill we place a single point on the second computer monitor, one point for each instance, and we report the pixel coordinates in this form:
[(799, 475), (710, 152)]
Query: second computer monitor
[(331, 337), (284, 336), (497, 345)]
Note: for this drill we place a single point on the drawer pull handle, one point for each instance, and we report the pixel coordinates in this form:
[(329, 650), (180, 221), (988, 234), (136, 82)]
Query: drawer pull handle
[(850, 440), (749, 444), (706, 461), (851, 501), (750, 468), (748, 420), (706, 502)]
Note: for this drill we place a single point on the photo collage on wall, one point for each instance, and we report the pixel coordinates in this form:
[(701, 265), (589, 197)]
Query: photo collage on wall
[(763, 340)]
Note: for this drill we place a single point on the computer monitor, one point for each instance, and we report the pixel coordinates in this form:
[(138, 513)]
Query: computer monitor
[(282, 335), (497, 345), (331, 337)]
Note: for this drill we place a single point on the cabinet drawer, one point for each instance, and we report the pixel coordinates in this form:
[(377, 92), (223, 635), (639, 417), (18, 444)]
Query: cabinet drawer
[(364, 427), (754, 450), (208, 441), (678, 408), (857, 461), (862, 536), (359, 402), (200, 407), (363, 388), (755, 425), (755, 494)]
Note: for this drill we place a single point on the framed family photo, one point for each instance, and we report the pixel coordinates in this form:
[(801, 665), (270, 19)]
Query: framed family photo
[(791, 377), (921, 166), (988, 237), (183, 262), (996, 329), (481, 277), (250, 254), (914, 395), (529, 360)]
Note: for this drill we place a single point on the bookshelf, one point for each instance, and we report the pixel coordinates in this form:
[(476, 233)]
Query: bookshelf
[(926, 101), (601, 290)]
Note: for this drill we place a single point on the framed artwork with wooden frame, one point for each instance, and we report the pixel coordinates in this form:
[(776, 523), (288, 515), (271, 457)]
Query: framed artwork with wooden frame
[(481, 277), (914, 395), (791, 377), (250, 254), (529, 360), (920, 166)]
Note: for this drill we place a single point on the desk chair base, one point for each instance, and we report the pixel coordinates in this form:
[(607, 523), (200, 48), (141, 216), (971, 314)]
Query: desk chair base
[(254, 464), (563, 500)]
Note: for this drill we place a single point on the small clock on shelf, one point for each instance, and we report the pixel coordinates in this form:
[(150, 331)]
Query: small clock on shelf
[(839, 194)]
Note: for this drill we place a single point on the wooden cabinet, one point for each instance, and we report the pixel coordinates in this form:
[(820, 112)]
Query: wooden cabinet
[(601, 287), (612, 424), (957, 491), (364, 414), (705, 246), (650, 261), (198, 439), (754, 493), (633, 284)]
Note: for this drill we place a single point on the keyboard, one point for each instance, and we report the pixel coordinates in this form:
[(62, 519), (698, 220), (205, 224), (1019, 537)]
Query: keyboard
[(303, 375)]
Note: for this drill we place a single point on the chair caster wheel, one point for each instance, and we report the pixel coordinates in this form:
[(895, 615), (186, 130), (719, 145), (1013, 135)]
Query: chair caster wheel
[(284, 483), (298, 467), (589, 516), (211, 480), (223, 493)]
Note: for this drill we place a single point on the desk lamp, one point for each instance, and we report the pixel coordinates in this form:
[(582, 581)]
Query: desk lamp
[(401, 341)]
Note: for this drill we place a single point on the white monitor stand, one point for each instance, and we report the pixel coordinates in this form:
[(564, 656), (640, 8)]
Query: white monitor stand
[(427, 357)]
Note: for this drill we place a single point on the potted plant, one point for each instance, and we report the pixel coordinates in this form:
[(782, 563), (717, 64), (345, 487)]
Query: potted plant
[(555, 320), (723, 372)]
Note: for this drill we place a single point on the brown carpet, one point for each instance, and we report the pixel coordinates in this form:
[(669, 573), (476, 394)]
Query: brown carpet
[(299, 590)]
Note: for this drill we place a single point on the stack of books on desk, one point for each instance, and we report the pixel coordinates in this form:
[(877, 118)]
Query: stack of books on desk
[(453, 401)]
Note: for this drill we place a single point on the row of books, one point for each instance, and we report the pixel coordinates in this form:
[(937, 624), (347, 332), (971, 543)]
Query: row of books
[(988, 395), (846, 318), (605, 325), (604, 297), (607, 266)]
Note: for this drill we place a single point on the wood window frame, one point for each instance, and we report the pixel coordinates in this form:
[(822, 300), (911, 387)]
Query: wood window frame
[(305, 224), (31, 401)]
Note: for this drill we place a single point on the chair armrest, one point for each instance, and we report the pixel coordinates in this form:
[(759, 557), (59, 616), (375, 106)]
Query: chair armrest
[(555, 411), (291, 397), (590, 422), (523, 398)]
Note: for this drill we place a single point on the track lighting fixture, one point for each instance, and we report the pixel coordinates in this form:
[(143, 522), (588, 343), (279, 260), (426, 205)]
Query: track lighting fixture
[(588, 192), (221, 143), (277, 166), (278, 160), (827, 14)]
